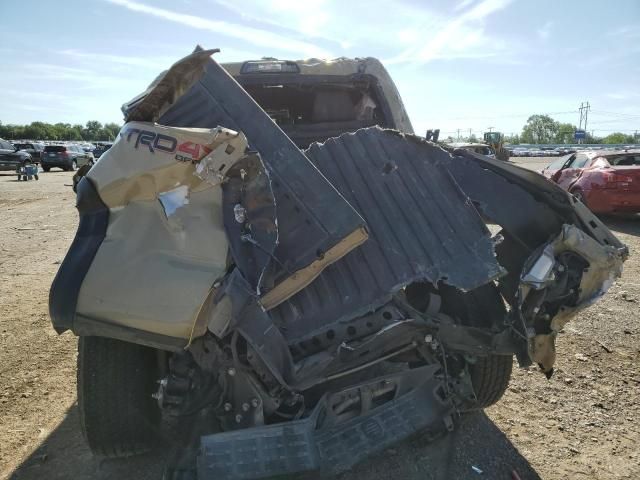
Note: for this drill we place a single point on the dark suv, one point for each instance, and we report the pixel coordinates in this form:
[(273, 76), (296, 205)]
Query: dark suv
[(66, 157), (11, 159), (32, 148)]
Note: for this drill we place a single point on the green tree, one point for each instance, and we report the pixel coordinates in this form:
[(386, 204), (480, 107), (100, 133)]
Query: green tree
[(92, 130), (540, 129), (111, 131), (565, 133), (512, 139), (618, 137)]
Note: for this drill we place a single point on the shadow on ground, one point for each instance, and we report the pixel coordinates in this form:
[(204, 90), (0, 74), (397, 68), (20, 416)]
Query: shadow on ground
[(628, 223), (475, 442)]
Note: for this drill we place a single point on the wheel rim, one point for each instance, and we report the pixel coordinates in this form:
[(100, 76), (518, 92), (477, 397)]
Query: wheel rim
[(579, 196), (74, 165)]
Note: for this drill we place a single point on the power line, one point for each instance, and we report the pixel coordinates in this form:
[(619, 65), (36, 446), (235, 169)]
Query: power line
[(616, 114), (512, 115), (618, 120)]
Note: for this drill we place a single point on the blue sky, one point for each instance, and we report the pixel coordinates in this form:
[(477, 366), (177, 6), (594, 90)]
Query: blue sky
[(464, 64)]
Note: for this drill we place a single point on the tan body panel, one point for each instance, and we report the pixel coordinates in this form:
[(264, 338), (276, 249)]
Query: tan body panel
[(158, 260)]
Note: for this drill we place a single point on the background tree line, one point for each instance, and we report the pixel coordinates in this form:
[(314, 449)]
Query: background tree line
[(92, 131), (541, 129)]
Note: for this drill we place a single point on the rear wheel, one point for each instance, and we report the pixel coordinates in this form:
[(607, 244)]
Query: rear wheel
[(116, 379), (46, 169), (490, 378), (502, 154)]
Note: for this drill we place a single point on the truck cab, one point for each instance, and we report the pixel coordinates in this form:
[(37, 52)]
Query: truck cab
[(313, 100)]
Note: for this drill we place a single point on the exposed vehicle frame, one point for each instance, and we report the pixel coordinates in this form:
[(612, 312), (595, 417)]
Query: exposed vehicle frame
[(306, 309)]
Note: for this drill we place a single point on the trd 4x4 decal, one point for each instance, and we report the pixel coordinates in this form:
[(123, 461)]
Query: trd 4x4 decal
[(187, 151)]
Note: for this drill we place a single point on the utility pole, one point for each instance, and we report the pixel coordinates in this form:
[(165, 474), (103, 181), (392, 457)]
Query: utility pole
[(469, 134), (584, 114), (458, 134), (490, 128)]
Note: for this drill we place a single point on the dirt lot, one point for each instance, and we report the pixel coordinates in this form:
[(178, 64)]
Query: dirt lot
[(583, 423)]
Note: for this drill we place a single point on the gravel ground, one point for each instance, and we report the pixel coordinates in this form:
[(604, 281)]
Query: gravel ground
[(583, 423)]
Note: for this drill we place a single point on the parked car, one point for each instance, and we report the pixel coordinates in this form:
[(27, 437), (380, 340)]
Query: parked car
[(520, 152), (606, 182), (32, 148), (12, 159), (479, 148), (100, 148), (66, 157)]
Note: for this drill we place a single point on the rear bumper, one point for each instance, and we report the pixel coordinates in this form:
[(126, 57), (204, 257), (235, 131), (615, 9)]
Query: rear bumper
[(321, 443), (611, 201), (46, 162)]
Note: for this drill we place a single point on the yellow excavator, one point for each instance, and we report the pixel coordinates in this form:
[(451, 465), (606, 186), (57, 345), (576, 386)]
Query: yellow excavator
[(496, 141)]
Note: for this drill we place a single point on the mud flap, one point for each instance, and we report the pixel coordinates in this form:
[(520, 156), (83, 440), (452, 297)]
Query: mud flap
[(323, 442)]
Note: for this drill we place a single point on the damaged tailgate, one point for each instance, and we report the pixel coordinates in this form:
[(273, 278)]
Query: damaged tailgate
[(316, 225)]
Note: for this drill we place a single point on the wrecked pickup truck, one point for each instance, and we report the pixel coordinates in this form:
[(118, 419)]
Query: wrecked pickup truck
[(299, 310)]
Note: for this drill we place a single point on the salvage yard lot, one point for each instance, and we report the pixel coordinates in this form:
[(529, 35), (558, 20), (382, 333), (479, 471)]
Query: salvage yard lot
[(583, 423)]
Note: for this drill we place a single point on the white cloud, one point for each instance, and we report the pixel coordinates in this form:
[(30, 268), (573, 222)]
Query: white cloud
[(291, 15), (100, 58), (622, 95), (545, 31), (76, 78), (462, 36), (256, 36), (462, 5), (626, 31)]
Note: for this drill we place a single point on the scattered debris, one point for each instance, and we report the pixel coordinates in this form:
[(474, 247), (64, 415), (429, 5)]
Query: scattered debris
[(478, 470), (604, 347), (581, 357)]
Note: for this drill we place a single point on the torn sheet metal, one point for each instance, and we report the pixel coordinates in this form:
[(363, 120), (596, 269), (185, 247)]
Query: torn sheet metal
[(249, 211), (604, 267), (165, 238), (317, 226), (167, 87), (174, 199), (422, 227)]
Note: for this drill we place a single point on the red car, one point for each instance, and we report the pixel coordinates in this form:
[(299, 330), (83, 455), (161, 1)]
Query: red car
[(605, 181)]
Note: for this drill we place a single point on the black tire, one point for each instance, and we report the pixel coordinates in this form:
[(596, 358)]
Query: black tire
[(490, 378), (46, 169), (502, 154), (36, 177), (24, 177), (118, 416), (74, 166)]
